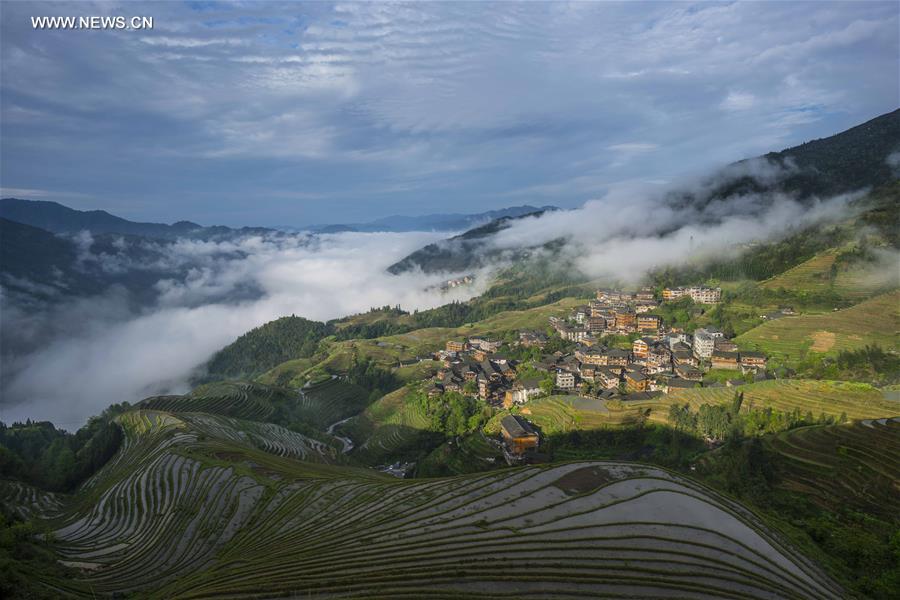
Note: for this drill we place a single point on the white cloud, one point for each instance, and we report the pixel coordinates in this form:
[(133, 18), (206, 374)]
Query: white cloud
[(738, 101), (107, 354), (633, 147)]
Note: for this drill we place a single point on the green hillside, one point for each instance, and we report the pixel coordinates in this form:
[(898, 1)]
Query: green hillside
[(789, 339), (390, 428), (266, 346), (857, 401), (833, 489), (853, 281)]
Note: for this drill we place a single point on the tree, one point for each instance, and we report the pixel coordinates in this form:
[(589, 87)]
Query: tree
[(737, 402), (547, 385)]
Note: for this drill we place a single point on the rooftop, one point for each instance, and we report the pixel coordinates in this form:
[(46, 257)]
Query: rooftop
[(516, 426)]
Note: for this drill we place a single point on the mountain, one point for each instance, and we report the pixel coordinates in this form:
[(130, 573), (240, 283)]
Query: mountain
[(463, 252), (859, 158), (432, 222), (36, 261), (844, 162), (57, 218), (855, 159)]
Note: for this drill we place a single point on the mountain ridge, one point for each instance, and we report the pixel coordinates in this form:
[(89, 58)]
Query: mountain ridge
[(854, 159)]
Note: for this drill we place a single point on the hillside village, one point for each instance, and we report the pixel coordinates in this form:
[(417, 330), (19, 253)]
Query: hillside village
[(591, 361)]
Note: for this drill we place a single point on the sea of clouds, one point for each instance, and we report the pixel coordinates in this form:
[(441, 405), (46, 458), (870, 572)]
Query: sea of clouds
[(73, 360), (90, 353)]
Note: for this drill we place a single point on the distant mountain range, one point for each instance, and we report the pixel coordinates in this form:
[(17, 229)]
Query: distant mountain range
[(856, 159), (44, 260), (57, 218), (432, 222)]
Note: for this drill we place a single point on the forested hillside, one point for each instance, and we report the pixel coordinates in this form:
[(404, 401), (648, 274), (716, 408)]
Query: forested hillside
[(266, 346)]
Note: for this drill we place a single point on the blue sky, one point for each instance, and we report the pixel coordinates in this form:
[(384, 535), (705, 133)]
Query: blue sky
[(288, 114)]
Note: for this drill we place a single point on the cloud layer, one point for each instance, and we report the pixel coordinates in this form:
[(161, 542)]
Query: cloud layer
[(265, 113), (99, 352)]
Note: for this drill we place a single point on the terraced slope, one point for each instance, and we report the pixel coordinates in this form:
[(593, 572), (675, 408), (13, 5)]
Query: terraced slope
[(192, 514), (28, 501), (854, 465), (875, 321), (858, 401), (857, 281), (555, 414), (386, 428), (330, 401), (240, 399)]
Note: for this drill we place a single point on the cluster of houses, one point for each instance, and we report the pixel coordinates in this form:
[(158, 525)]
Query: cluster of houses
[(660, 360), (623, 313), (613, 312), (475, 365)]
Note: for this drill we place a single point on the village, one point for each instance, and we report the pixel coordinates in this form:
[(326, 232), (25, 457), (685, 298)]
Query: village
[(593, 360)]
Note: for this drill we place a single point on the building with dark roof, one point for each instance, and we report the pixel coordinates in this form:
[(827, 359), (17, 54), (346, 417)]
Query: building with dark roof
[(518, 435)]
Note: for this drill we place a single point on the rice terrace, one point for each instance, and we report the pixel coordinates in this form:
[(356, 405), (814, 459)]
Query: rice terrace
[(444, 300)]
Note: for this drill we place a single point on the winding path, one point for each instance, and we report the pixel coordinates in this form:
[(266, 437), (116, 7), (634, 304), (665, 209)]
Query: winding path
[(348, 443)]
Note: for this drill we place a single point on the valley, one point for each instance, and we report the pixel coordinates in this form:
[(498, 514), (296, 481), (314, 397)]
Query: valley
[(724, 428)]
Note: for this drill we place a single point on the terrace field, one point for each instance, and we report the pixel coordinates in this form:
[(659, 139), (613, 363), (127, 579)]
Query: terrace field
[(389, 427), (838, 466), (857, 401), (875, 321), (560, 414), (555, 414), (190, 509), (244, 400), (833, 489), (854, 282), (325, 403)]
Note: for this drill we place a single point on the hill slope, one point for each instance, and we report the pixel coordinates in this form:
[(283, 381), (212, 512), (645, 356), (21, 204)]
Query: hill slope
[(852, 160), (467, 251), (432, 222), (220, 516), (267, 346), (875, 321)]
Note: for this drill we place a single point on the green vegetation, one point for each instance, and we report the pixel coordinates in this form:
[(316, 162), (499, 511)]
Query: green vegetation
[(28, 567), (267, 346), (42, 455), (218, 515), (870, 364), (789, 340), (832, 489), (469, 453), (722, 422), (453, 414)]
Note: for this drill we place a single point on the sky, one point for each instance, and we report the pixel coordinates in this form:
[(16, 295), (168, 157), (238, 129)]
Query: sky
[(270, 114)]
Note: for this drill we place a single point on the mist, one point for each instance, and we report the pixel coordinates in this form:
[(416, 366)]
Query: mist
[(91, 353), (636, 228), (79, 357)]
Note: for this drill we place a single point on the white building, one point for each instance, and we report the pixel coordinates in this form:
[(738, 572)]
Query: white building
[(565, 380), (705, 342), (700, 295)]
